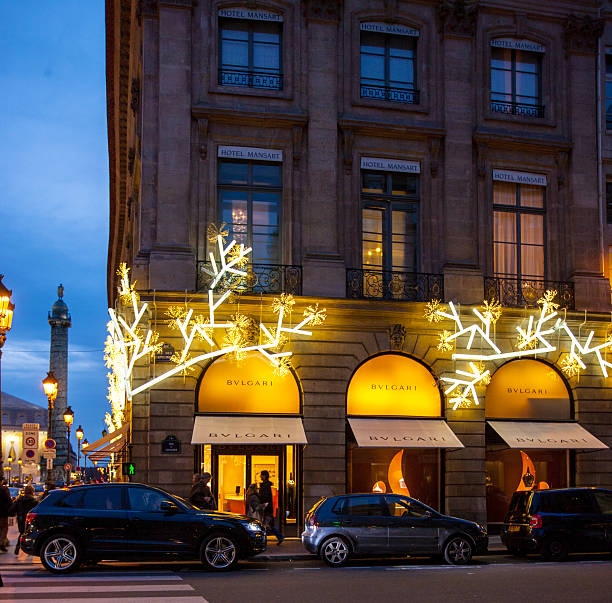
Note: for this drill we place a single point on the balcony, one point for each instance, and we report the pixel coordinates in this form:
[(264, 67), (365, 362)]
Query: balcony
[(398, 286), (251, 79), (517, 109), (261, 278), (387, 93), (525, 292)]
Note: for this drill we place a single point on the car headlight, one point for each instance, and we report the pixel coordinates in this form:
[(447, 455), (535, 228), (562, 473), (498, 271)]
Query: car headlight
[(254, 526)]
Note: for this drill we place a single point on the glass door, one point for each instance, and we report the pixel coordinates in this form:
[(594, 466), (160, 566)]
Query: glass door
[(232, 482)]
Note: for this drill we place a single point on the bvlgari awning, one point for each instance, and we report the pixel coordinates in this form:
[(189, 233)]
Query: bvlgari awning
[(248, 430), (404, 433), (532, 435)]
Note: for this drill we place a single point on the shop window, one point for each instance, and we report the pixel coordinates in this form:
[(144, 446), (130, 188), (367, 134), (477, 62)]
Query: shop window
[(412, 472), (519, 230), (249, 194), (389, 202), (388, 67), (506, 470), (516, 82), (609, 90), (250, 54)]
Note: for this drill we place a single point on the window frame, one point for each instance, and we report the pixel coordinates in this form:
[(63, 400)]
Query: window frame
[(519, 210), (249, 188), (250, 25)]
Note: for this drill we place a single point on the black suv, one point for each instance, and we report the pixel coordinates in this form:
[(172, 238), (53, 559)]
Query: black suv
[(115, 521), (557, 522)]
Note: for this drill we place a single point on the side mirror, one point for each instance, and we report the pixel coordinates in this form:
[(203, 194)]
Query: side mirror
[(428, 514), (168, 507)]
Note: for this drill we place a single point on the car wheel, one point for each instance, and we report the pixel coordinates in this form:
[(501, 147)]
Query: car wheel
[(219, 553), (458, 551), (335, 551), (60, 554), (555, 549)]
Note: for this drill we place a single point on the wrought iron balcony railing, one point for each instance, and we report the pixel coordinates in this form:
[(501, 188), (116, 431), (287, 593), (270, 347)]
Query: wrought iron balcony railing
[(261, 278), (517, 109), (388, 93), (364, 283), (520, 292), (251, 79)]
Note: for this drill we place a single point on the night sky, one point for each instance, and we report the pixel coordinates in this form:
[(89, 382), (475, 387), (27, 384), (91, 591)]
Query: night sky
[(54, 195)]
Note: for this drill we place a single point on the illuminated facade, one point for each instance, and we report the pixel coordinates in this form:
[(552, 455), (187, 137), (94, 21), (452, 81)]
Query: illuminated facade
[(399, 164)]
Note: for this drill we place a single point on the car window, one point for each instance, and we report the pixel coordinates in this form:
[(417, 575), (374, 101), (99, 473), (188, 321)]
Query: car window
[(520, 502), (107, 498), (72, 500), (604, 501), (567, 502), (406, 507), (363, 506), (143, 499)]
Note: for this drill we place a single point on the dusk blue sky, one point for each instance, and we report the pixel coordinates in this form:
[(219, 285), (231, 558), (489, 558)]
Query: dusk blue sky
[(54, 195)]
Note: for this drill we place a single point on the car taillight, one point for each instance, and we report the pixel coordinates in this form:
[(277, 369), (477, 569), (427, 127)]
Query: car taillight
[(312, 522), (30, 517), (535, 521)]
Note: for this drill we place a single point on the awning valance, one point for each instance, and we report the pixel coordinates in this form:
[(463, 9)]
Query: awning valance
[(533, 435), (248, 430), (404, 433), (111, 442)]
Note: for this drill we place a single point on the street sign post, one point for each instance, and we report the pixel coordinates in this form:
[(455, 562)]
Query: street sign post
[(49, 444), (29, 440), (67, 466), (49, 463)]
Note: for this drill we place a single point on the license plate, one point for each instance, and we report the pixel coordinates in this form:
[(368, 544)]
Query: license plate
[(514, 528)]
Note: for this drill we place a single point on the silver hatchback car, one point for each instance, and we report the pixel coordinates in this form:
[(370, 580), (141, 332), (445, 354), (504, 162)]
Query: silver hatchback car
[(339, 527)]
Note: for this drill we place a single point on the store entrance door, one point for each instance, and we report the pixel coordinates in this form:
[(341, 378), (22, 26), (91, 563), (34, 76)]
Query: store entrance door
[(235, 467)]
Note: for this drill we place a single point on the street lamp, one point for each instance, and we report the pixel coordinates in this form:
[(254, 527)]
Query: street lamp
[(20, 462), (50, 387), (85, 445), (79, 435), (68, 418), (6, 320)]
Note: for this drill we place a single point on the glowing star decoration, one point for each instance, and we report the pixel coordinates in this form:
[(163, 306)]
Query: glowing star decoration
[(548, 299), (571, 365), (431, 311), (213, 233), (486, 379), (465, 385), (128, 342), (444, 344), (491, 310)]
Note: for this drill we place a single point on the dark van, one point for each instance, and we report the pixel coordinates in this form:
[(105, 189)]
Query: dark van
[(557, 522)]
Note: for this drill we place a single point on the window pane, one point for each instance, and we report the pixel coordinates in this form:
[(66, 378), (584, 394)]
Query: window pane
[(143, 499), (403, 241), (400, 71), (608, 64), (102, 498), (363, 506), (268, 33), (504, 258), (234, 54), (501, 82), (403, 184), (233, 173), (532, 261), (527, 61), (266, 175), (372, 43), (372, 237), (372, 182), (501, 58), (532, 229), (72, 500), (527, 86), (605, 502), (532, 196), (504, 227), (373, 67), (234, 212), (504, 193), (401, 46), (266, 57), (266, 220)]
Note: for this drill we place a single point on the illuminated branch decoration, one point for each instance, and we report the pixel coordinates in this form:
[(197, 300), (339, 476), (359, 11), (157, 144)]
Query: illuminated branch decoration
[(127, 343), (534, 339)]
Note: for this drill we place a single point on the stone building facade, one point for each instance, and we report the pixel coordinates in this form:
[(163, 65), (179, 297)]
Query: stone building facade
[(377, 155)]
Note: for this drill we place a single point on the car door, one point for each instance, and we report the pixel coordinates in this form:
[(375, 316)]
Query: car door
[(365, 519), (152, 530), (103, 518), (411, 528), (586, 532), (604, 502)]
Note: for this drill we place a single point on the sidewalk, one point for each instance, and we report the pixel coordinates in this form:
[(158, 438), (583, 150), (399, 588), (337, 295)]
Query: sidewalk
[(292, 550), (9, 558)]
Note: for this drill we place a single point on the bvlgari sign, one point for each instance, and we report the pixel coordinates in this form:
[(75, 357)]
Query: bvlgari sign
[(247, 386), (393, 384), (404, 433)]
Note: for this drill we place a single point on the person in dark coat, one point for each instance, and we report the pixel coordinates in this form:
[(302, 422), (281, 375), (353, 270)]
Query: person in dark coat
[(253, 506), (21, 507), (201, 496), (265, 495), (5, 504)]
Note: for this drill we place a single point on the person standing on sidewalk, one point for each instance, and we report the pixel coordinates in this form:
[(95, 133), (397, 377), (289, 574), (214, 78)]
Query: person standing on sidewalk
[(5, 504), (265, 496), (21, 507)]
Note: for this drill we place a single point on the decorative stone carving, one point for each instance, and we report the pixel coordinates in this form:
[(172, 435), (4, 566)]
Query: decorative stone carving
[(347, 149), (435, 146), (582, 33), (135, 95), (203, 137), (323, 10), (458, 17), (397, 337)]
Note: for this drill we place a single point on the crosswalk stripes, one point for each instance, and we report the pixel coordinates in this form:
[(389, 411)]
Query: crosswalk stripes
[(34, 584)]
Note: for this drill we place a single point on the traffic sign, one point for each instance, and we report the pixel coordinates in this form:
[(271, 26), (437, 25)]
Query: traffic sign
[(128, 468), (67, 466), (30, 454), (49, 463), (49, 454), (49, 444), (29, 432)]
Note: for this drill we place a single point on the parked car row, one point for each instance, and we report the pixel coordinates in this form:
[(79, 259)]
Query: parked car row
[(117, 521)]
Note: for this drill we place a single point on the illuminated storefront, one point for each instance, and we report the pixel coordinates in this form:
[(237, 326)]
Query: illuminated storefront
[(531, 433), (249, 419), (396, 431)]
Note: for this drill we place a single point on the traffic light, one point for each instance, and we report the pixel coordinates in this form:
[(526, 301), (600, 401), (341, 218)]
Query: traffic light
[(128, 468)]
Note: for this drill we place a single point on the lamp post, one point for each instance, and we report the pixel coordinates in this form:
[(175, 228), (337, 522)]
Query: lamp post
[(20, 463), (79, 435), (6, 320), (68, 418), (85, 445), (50, 387)]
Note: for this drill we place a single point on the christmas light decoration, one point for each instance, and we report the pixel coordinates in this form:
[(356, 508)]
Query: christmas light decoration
[(127, 342), (431, 311)]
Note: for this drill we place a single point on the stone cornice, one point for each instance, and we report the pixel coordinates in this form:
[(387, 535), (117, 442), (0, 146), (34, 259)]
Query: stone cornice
[(249, 118), (581, 34), (507, 140), (390, 129)]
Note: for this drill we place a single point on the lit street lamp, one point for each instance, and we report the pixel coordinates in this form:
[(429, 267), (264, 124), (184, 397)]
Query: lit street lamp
[(20, 462), (6, 320), (68, 418), (79, 435), (85, 445), (50, 387)]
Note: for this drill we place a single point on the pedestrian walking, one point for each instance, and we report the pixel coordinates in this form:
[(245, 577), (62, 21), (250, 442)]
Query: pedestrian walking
[(21, 507), (253, 506), (265, 495), (5, 504), (201, 495)]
